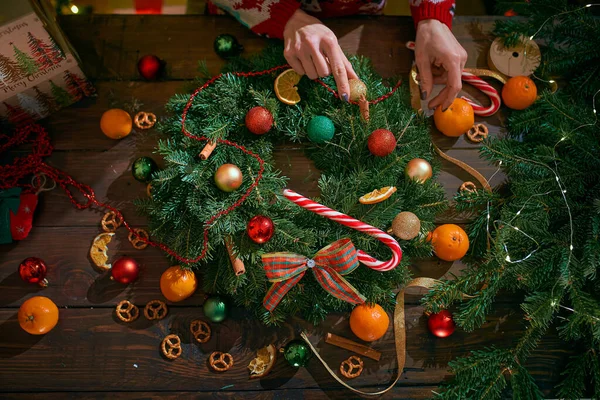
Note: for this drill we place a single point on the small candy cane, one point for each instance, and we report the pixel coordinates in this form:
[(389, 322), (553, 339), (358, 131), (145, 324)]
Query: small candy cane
[(348, 221), (480, 84)]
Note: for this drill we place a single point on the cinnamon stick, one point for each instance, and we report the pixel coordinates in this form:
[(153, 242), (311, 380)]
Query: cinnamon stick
[(207, 150), (236, 263), (352, 346), (363, 104)]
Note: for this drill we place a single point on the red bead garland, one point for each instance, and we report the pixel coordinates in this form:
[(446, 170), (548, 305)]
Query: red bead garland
[(12, 175)]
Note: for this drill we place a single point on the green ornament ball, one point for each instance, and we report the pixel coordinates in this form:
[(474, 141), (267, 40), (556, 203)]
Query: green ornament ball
[(227, 46), (297, 353), (143, 168), (215, 309), (320, 129)]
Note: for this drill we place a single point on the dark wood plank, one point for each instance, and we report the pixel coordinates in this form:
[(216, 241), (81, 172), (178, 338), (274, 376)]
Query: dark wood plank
[(90, 351), (110, 46), (76, 282)]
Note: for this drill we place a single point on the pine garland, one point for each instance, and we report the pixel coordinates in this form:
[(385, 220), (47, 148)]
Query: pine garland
[(184, 195), (558, 134)]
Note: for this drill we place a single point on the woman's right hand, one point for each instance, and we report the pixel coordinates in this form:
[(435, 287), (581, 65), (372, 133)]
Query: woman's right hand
[(312, 49)]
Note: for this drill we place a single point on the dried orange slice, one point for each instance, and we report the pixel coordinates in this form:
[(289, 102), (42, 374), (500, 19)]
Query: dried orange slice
[(285, 87), (264, 362), (377, 195), (98, 250)]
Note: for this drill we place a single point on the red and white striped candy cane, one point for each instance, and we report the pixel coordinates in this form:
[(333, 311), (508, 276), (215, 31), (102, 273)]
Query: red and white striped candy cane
[(480, 84), (348, 221), (486, 88)]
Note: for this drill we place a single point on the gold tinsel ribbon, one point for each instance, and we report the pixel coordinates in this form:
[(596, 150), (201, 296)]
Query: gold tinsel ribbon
[(399, 338)]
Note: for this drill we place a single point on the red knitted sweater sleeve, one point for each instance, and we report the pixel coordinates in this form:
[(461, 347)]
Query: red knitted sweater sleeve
[(442, 10)]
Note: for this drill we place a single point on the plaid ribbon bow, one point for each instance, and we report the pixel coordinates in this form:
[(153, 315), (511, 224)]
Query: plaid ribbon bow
[(329, 264)]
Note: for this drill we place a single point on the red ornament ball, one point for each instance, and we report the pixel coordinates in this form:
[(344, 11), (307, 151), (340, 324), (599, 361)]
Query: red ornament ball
[(260, 229), (441, 324), (33, 270), (150, 67), (259, 120), (125, 270), (382, 143)]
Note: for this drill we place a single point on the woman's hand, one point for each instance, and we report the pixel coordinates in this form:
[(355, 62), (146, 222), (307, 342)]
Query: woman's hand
[(311, 48), (440, 60)]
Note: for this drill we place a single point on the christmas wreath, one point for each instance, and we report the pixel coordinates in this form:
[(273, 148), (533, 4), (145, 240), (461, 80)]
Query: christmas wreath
[(192, 193)]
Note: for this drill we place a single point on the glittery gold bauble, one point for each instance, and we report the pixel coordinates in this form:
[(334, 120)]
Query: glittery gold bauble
[(418, 169), (228, 177), (406, 225), (357, 89)]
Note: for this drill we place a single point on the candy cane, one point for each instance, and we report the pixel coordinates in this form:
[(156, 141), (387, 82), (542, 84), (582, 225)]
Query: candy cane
[(346, 220), (480, 84)]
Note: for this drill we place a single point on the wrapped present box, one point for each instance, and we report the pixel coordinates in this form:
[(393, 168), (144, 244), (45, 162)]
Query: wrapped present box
[(39, 72)]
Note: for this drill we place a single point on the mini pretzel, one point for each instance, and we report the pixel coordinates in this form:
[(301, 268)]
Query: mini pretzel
[(171, 346), (127, 311), (200, 330), (468, 187), (155, 310), (137, 238), (144, 120), (352, 367), (477, 133), (220, 361), (111, 221)]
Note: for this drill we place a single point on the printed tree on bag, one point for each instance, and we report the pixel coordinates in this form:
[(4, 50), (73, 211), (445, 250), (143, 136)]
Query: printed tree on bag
[(16, 114), (32, 106), (26, 63), (9, 70), (78, 86), (45, 55), (62, 97), (45, 100)]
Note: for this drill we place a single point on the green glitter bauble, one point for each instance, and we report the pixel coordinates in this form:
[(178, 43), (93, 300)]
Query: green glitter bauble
[(227, 46), (143, 168), (215, 309), (297, 353), (320, 129)]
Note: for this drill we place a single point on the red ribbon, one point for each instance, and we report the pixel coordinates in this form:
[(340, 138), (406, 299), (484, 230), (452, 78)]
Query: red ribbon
[(329, 265)]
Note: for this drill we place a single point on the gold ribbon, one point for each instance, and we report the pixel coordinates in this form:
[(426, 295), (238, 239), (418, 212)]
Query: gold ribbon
[(399, 338)]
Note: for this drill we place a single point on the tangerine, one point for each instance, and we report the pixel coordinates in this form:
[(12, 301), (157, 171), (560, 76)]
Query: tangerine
[(116, 123), (450, 242), (456, 120), (177, 283), (519, 92), (38, 315), (369, 321)]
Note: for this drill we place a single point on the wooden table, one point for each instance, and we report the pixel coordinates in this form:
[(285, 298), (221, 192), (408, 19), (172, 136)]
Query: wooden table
[(90, 353)]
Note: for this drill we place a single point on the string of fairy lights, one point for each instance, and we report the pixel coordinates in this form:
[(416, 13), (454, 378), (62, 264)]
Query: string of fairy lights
[(561, 188)]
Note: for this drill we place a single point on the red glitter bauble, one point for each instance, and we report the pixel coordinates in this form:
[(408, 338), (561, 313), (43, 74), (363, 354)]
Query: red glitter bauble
[(441, 324), (125, 270), (259, 120), (260, 229), (382, 143), (33, 270), (150, 67)]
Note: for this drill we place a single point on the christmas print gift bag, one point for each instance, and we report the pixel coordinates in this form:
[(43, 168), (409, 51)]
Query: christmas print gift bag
[(37, 77)]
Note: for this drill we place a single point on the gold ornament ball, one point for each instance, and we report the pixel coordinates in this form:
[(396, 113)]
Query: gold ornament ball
[(228, 177), (357, 89), (406, 225), (116, 123), (418, 170)]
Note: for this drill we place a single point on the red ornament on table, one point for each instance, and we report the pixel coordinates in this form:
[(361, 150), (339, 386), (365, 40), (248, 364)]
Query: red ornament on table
[(150, 67), (260, 229), (441, 324), (259, 120), (125, 270), (33, 270), (382, 143)]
